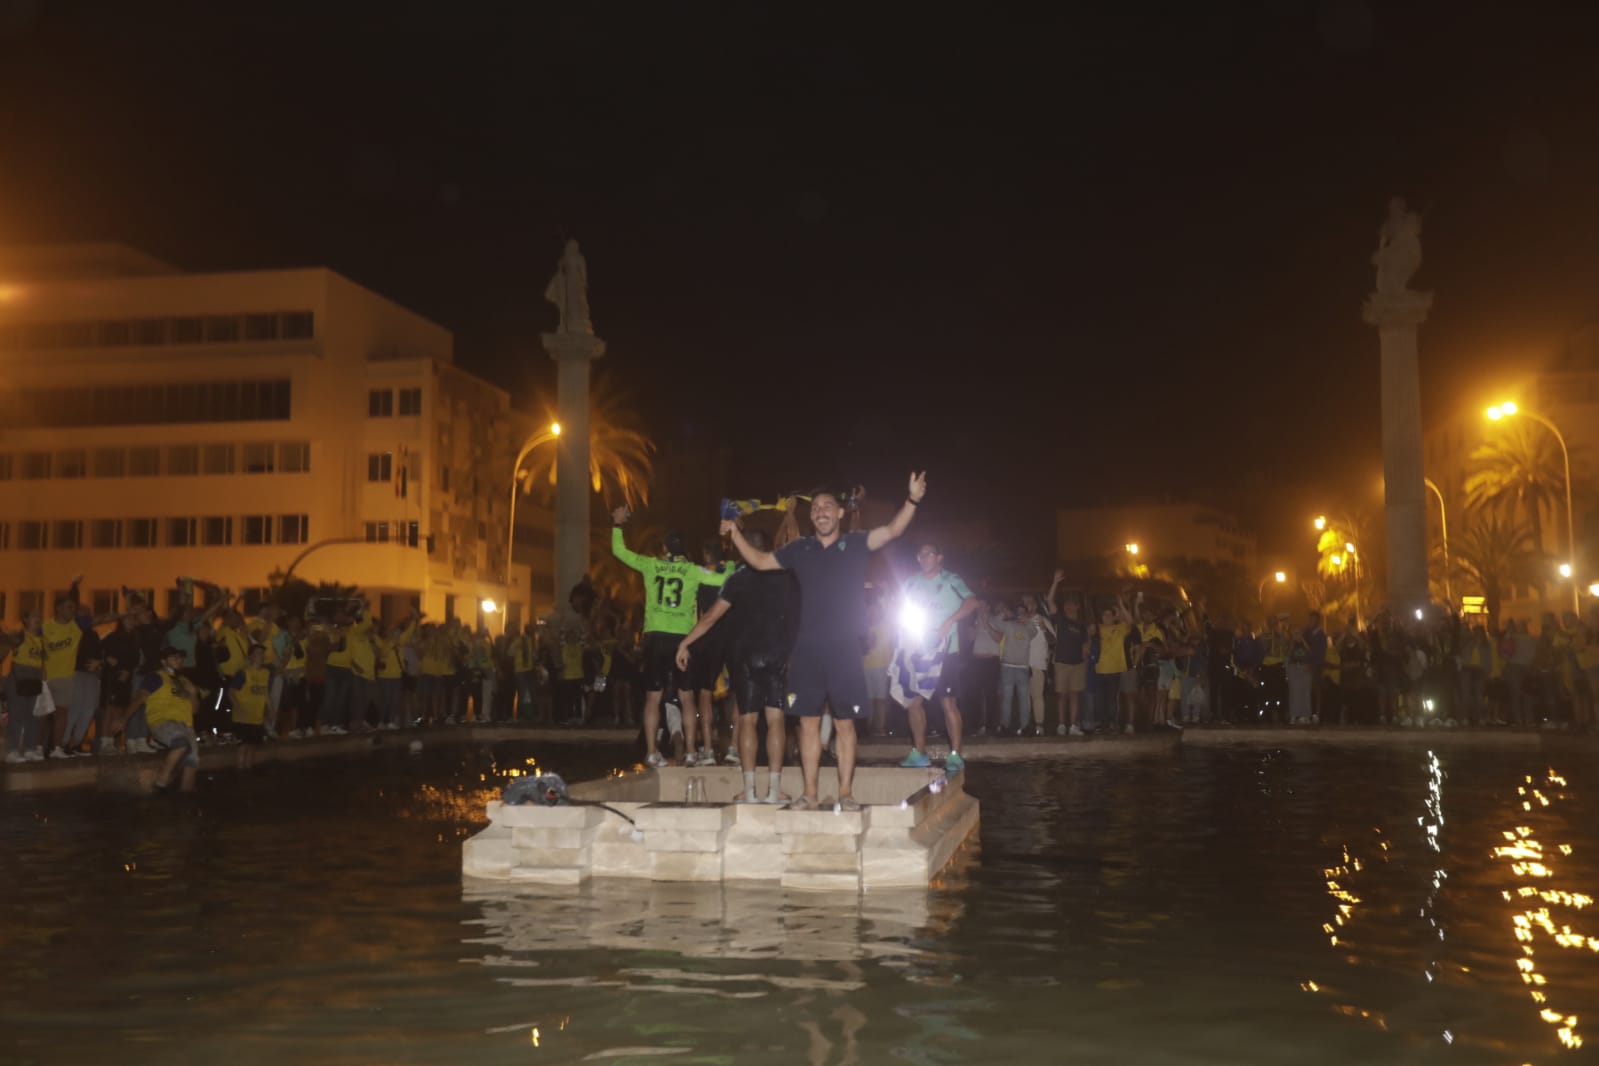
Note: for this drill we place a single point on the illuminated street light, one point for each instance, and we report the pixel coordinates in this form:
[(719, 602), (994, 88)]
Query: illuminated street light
[(545, 437), (489, 606), (1337, 560), (1593, 590), (1505, 410), (1350, 548), (1132, 548), (1321, 522), (1278, 576)]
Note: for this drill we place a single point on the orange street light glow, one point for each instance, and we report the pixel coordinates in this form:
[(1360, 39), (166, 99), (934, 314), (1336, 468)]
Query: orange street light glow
[(1279, 577)]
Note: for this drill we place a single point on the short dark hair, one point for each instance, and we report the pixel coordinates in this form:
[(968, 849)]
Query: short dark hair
[(756, 539), (674, 543), (838, 497)]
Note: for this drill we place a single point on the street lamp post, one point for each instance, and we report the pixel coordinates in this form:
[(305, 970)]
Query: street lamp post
[(543, 437), (1507, 409), (1443, 529), (1276, 575)]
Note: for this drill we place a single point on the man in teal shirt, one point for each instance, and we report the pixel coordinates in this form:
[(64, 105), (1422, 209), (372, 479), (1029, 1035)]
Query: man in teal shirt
[(935, 602), (671, 600)]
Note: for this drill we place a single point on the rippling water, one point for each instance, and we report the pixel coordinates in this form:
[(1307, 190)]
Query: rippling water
[(1210, 906)]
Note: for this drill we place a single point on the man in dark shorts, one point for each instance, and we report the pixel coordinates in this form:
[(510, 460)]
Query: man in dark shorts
[(706, 666), (760, 633), (671, 593), (825, 669)]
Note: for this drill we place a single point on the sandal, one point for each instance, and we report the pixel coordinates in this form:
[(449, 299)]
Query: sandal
[(801, 804), (848, 803), (776, 797)]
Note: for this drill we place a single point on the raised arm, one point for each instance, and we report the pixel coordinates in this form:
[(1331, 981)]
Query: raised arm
[(895, 529), (702, 627), (619, 546), (755, 557)]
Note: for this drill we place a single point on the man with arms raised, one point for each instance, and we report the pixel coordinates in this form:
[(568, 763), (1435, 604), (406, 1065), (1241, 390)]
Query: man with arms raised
[(671, 596), (825, 668)]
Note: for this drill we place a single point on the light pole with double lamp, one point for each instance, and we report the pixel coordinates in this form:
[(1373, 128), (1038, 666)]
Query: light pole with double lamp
[(1509, 409)]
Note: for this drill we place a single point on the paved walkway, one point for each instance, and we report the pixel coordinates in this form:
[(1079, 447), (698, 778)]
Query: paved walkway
[(136, 773)]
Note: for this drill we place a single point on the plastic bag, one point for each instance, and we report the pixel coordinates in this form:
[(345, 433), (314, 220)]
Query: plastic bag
[(44, 703)]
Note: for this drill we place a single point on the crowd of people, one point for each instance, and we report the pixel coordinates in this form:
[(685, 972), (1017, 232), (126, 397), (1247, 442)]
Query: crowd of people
[(788, 644)]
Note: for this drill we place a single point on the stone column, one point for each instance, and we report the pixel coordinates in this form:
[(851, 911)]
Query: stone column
[(1397, 315), (572, 352)]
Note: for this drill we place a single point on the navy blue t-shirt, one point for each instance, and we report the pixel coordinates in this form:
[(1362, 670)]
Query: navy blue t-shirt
[(832, 583)]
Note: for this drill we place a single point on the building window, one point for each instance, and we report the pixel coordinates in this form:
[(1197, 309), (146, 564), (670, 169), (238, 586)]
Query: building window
[(105, 533), (293, 529), (188, 330), (222, 329), (216, 529), (217, 459), (31, 535), (183, 459), (410, 401), (144, 462), (116, 333), (140, 533), (72, 463), (66, 533), (260, 458), (380, 403), (150, 331), (377, 532), (181, 533), (294, 457), (380, 467), (260, 327), (257, 529), (35, 466), (5, 542), (103, 601), (109, 462), (444, 478), (5, 466), (148, 404), (30, 601), (298, 325)]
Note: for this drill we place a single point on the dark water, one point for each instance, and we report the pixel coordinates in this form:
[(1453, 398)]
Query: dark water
[(1213, 906)]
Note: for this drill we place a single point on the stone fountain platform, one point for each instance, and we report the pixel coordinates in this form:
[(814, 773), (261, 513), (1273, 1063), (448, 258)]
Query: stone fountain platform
[(910, 825)]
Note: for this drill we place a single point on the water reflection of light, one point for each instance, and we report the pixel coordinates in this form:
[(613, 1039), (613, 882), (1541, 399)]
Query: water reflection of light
[(1529, 858)]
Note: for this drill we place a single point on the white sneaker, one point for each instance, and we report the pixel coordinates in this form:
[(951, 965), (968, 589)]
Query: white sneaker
[(59, 752), (336, 730), (14, 757), (655, 761), (731, 758), (36, 755), (1060, 731), (107, 746), (1075, 731), (1128, 728), (299, 734)]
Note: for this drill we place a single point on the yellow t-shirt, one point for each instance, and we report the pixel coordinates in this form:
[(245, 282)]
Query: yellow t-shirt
[(236, 648), (571, 661), (250, 694), (339, 656), (1276, 649), (61, 640), (168, 703), (358, 644), (30, 652), (265, 634), (881, 650), (296, 654), (1112, 648), (524, 654)]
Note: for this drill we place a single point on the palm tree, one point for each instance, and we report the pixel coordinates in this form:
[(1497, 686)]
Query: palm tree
[(1519, 466), (620, 455), (1496, 550)]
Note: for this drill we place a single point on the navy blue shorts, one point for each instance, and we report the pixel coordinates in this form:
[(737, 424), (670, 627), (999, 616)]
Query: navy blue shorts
[(759, 681), (827, 676)]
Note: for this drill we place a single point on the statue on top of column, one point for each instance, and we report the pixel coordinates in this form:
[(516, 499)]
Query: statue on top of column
[(568, 290), (1398, 251)]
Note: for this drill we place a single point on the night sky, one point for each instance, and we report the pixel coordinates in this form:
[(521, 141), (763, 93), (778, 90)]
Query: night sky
[(1055, 258)]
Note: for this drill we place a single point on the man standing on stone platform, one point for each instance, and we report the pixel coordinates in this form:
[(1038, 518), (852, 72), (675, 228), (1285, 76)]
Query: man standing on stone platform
[(825, 668)]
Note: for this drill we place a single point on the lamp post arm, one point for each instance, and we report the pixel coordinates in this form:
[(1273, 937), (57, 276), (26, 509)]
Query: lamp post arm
[(1571, 534)]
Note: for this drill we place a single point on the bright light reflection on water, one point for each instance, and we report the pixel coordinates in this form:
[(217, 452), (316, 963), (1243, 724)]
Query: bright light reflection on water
[(1215, 906)]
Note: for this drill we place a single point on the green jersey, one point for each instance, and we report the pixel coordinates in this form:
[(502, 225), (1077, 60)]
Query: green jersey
[(671, 588)]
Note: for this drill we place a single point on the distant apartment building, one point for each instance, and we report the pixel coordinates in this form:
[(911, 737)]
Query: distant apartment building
[(156, 424), (1565, 392), (1158, 530)]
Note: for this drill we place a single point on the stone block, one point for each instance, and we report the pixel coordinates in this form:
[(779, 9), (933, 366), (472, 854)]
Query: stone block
[(553, 838), (549, 875), (621, 860), (745, 861), (535, 857), (811, 862), (686, 865), (532, 816), (892, 816), (813, 882), (894, 868), (487, 855), (847, 823), (680, 817), (754, 819), (682, 840), (820, 843)]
